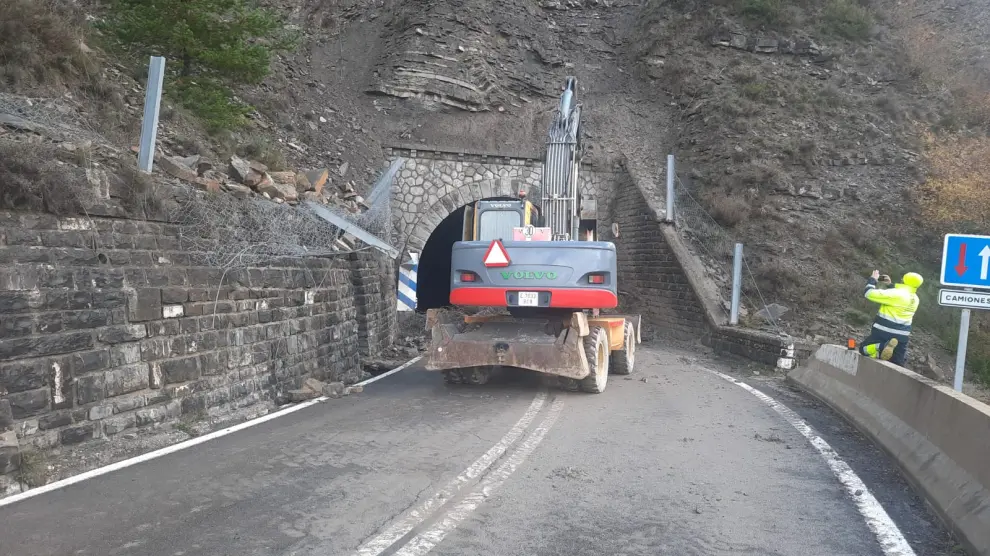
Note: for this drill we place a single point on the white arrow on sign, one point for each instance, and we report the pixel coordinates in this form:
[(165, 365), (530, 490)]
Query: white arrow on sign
[(985, 255)]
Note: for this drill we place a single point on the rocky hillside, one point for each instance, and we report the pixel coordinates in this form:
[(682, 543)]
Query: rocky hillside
[(803, 128)]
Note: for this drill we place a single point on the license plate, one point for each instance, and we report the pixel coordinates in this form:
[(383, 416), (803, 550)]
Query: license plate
[(529, 299)]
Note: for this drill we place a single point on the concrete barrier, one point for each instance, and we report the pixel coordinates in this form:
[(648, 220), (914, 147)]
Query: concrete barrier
[(939, 438)]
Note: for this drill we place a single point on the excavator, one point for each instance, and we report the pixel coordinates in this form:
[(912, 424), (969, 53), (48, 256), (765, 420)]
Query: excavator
[(538, 282)]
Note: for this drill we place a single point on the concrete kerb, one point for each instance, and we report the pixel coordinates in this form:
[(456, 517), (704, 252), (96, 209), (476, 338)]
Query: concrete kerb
[(938, 437)]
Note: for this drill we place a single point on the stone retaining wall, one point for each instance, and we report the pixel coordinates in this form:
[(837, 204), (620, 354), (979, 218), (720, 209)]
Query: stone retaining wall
[(660, 278), (109, 325)]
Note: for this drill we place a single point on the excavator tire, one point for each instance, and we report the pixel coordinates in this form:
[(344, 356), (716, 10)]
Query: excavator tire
[(477, 376), (597, 352), (453, 377), (623, 360)]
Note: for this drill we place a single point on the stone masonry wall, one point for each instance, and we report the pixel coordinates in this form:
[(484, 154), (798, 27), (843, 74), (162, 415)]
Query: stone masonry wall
[(373, 280), (433, 183), (109, 324), (661, 279), (651, 279)]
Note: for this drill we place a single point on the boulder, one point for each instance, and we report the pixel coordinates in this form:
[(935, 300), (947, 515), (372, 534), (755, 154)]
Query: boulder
[(283, 191), (313, 180), (250, 174), (176, 168), (283, 177)]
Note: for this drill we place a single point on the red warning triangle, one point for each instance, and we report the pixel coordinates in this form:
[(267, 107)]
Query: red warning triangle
[(496, 255)]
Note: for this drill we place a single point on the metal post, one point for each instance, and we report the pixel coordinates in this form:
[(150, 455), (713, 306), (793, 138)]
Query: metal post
[(152, 104), (670, 188), (961, 347), (736, 283)]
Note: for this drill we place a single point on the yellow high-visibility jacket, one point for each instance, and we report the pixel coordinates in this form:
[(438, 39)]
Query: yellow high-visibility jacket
[(897, 307)]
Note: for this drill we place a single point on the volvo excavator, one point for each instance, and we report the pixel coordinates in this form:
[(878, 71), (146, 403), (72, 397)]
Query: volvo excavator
[(540, 279)]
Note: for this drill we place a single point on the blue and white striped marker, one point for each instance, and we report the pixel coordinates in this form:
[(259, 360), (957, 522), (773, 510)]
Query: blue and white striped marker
[(406, 291)]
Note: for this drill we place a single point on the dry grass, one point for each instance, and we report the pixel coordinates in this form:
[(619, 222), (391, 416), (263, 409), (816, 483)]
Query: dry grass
[(729, 210), (938, 64), (41, 46), (955, 195), (139, 195), (32, 177)]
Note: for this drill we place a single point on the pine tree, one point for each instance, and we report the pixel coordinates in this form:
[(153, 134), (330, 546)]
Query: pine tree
[(210, 44)]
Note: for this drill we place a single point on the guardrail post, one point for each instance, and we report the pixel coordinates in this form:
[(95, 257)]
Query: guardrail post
[(736, 283), (152, 105), (670, 188)]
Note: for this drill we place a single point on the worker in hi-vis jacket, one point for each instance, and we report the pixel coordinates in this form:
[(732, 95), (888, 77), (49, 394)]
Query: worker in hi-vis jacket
[(891, 329)]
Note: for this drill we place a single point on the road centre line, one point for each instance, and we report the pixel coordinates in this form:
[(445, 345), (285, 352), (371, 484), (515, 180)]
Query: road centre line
[(891, 540), (424, 542), (401, 528), (182, 445)]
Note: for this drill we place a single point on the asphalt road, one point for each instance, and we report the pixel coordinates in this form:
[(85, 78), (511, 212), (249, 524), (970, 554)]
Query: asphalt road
[(684, 464)]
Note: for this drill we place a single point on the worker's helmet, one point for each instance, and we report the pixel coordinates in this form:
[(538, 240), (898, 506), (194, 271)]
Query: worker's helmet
[(913, 279)]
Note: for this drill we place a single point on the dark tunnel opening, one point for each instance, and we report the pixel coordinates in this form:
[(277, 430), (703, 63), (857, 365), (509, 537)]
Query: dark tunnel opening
[(433, 272)]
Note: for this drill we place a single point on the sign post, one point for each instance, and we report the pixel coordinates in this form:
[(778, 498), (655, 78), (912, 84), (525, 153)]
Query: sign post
[(965, 264)]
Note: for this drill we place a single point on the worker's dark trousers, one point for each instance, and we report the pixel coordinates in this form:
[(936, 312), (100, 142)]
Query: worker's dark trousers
[(881, 337)]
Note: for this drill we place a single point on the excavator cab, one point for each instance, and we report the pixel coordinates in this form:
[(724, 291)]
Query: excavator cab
[(497, 219)]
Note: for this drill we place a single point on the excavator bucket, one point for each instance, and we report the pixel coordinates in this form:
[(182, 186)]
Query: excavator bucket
[(544, 346)]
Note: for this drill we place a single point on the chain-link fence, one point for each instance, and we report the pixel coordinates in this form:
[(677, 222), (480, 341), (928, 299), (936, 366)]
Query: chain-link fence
[(56, 118), (715, 248), (256, 232)]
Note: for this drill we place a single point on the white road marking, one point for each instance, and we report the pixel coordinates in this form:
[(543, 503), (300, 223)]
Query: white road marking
[(387, 538), (181, 445), (892, 542), (427, 540), (390, 373)]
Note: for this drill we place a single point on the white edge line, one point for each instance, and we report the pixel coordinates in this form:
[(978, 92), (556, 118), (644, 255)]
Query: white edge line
[(389, 373), (892, 542), (401, 528), (181, 445), (427, 540)]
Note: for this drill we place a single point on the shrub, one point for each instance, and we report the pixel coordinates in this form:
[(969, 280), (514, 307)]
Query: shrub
[(212, 44), (848, 19), (766, 12), (757, 90), (729, 210)]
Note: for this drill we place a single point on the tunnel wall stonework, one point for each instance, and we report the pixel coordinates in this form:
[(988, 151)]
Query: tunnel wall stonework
[(657, 274), (433, 183), (110, 325)]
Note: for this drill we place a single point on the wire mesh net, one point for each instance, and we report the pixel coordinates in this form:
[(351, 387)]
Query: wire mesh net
[(54, 117), (715, 247), (252, 232)]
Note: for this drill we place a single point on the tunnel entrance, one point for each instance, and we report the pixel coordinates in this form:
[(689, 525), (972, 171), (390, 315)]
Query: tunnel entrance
[(433, 272)]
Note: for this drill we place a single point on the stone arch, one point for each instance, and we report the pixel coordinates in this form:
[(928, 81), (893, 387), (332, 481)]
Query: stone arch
[(414, 235)]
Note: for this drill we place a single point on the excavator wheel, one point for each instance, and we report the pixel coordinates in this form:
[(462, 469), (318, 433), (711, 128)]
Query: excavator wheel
[(477, 376), (453, 377), (569, 384), (597, 352), (623, 360)]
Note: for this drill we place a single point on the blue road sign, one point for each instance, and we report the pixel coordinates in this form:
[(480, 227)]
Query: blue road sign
[(966, 261)]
